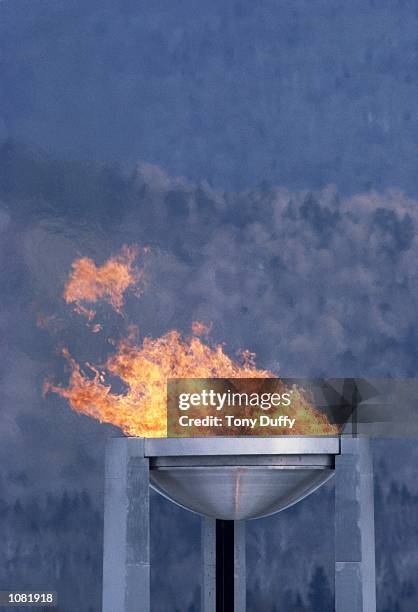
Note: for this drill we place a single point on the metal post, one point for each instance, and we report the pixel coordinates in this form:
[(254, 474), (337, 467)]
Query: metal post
[(223, 566), (355, 584), (126, 555)]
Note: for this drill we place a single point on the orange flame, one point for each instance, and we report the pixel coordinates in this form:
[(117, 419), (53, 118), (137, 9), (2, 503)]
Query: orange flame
[(89, 283), (143, 368)]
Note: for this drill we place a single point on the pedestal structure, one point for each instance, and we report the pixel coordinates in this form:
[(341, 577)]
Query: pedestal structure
[(223, 587), (237, 478), (355, 579), (126, 546)]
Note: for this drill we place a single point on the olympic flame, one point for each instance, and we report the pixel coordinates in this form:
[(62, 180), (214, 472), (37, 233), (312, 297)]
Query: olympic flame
[(144, 366)]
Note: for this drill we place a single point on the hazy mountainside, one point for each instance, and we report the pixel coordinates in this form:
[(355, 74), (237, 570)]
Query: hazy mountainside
[(280, 271), (53, 542), (314, 282), (302, 94)]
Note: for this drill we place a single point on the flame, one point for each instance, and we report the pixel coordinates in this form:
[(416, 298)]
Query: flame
[(144, 370), (144, 367), (89, 283)]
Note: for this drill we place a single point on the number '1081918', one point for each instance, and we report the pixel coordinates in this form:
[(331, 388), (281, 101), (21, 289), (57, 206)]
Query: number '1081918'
[(27, 598)]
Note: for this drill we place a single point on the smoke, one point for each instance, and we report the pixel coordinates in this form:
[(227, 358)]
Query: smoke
[(315, 283)]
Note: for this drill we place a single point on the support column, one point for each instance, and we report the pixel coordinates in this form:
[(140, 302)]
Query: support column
[(208, 555), (126, 554), (355, 580), (223, 566), (240, 573)]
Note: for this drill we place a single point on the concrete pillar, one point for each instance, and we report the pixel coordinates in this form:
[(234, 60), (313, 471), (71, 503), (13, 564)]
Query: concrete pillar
[(355, 580), (126, 554), (208, 555)]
